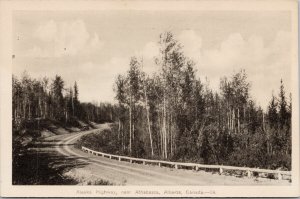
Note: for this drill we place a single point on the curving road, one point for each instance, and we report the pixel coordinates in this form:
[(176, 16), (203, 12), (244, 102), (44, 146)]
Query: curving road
[(125, 173)]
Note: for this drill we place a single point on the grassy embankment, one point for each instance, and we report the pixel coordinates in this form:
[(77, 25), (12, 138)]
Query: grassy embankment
[(35, 160)]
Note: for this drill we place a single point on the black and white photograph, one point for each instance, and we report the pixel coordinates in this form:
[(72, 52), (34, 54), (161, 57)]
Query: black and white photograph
[(138, 97)]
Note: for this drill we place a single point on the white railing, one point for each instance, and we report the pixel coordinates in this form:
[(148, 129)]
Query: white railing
[(177, 165)]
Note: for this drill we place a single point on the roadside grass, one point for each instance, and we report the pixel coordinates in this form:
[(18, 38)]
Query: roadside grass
[(99, 182), (103, 140), (44, 167)]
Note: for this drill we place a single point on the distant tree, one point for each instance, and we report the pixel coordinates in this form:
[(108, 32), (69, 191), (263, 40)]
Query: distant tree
[(283, 112), (236, 95), (76, 103), (272, 112), (57, 89)]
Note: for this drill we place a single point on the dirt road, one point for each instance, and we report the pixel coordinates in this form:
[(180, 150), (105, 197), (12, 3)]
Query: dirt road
[(97, 168)]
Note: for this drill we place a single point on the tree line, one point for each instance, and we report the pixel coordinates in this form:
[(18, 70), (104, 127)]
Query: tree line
[(174, 115), (42, 99)]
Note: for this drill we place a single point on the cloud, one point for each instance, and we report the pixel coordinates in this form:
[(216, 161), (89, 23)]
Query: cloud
[(36, 51), (47, 31), (67, 38), (151, 49), (265, 63), (99, 78), (148, 52), (192, 43)]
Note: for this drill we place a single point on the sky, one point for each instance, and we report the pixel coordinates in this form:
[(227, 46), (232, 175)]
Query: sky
[(93, 47)]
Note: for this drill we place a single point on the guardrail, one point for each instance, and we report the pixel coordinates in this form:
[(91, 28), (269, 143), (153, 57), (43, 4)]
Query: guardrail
[(177, 165)]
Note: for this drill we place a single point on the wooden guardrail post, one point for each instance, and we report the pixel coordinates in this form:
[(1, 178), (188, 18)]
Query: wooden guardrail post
[(144, 162), (119, 158), (196, 168), (159, 164), (176, 166), (221, 170), (279, 176), (130, 160), (249, 173)]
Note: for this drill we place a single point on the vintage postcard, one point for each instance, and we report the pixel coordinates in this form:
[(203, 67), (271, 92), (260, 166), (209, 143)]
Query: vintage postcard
[(139, 98)]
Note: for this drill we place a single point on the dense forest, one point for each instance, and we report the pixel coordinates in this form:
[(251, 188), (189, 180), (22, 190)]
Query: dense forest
[(40, 101), (171, 115)]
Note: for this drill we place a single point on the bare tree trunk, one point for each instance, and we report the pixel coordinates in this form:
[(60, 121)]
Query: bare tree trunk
[(72, 105), (233, 120), (263, 121), (29, 111), (171, 136), (133, 130), (111, 115), (244, 113), (160, 140), (123, 137), (238, 117), (119, 130), (20, 110), (130, 130), (249, 117), (45, 110), (148, 120), (15, 113), (228, 120), (66, 113), (24, 109), (165, 128), (268, 146)]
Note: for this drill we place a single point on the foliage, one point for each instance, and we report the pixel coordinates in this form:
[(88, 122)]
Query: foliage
[(189, 122)]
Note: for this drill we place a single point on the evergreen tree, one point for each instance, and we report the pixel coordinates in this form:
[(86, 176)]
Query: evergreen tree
[(283, 112), (57, 89), (76, 103), (272, 113)]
